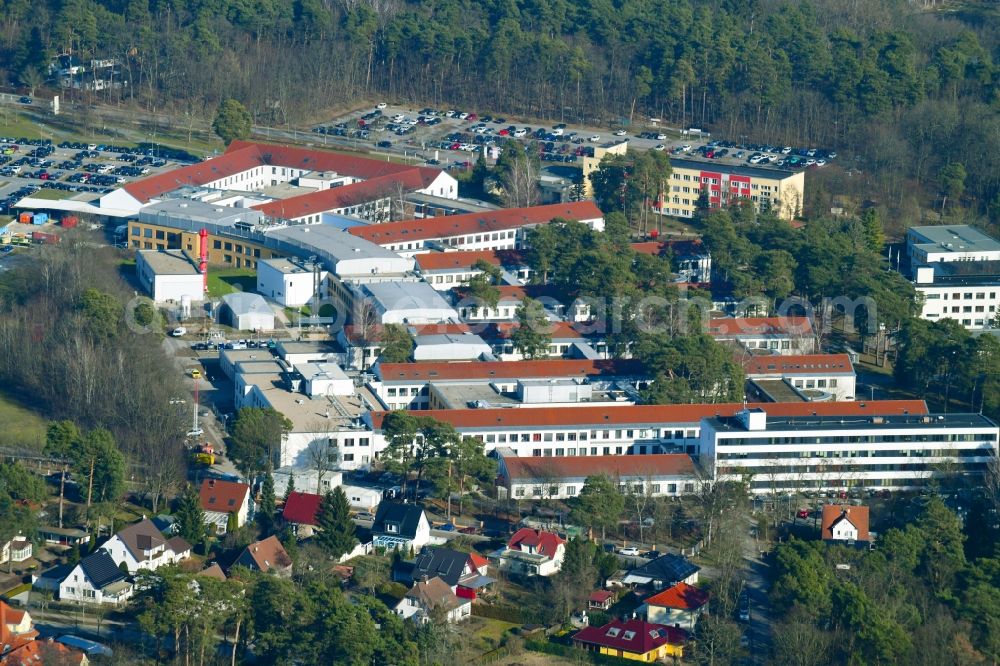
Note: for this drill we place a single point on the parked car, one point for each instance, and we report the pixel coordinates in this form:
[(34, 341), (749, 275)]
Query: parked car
[(178, 332), (620, 132), (744, 607), (631, 551), (803, 513), (25, 100)]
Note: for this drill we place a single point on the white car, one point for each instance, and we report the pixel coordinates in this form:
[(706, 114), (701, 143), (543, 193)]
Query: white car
[(820, 163), (197, 432), (595, 138), (631, 551), (685, 148), (660, 147), (620, 133), (463, 115), (661, 137), (380, 106), (520, 132), (179, 331), (398, 118)]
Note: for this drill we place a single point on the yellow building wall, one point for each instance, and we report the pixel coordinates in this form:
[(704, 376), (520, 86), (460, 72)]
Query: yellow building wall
[(649, 657), (785, 194), (222, 250)]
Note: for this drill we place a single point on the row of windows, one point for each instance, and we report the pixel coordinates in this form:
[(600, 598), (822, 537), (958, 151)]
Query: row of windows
[(584, 435), (654, 489), (812, 469), (898, 453), (858, 439), (815, 383), (962, 296)]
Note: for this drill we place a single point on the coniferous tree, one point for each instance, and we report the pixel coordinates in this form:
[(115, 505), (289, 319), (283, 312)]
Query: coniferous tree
[(265, 513), (336, 535), (191, 517)]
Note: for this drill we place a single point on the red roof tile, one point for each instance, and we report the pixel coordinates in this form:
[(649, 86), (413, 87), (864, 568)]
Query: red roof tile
[(301, 508), (459, 370), (643, 637), (798, 364), (856, 515), (681, 596), (679, 247), (223, 496), (265, 555), (653, 414), (545, 543), (559, 330), (478, 561), (469, 223), (245, 155), (442, 261), (601, 596), (348, 195), (728, 326), (562, 467)]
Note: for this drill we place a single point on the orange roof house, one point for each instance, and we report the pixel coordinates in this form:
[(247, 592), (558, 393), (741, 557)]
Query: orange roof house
[(845, 523)]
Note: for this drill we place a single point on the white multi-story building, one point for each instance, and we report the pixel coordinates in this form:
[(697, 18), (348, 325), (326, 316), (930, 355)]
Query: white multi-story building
[(783, 453), (290, 282), (619, 430), (775, 335), (956, 270)]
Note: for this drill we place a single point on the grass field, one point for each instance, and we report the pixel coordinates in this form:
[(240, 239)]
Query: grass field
[(15, 124), (227, 280), (22, 427), (52, 195)]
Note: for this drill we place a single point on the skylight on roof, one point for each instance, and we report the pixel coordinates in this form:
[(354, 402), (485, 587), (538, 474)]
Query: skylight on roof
[(613, 632), (629, 635)]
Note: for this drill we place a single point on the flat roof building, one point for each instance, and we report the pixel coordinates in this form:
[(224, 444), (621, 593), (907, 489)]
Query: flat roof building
[(169, 276), (406, 303), (247, 312), (821, 452)]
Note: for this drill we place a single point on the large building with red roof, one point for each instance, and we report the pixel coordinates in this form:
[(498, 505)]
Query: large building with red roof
[(485, 230), (545, 478), (339, 183)]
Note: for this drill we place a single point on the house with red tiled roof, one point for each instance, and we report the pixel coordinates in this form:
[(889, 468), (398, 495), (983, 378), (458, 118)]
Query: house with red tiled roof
[(266, 556), (845, 524), (532, 552), (446, 270), (782, 335), (221, 498), (677, 606), (633, 639), (431, 595), (601, 600), (464, 572), (300, 511), (555, 477), (502, 229), (832, 374)]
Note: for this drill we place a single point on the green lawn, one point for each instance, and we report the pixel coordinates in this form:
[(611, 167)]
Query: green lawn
[(52, 195), (222, 281), (22, 427)]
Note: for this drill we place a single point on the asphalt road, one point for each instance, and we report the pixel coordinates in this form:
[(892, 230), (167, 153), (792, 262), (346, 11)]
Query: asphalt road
[(758, 586)]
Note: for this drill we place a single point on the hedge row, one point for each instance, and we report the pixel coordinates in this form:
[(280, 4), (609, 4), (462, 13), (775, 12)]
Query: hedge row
[(575, 653), (510, 614)]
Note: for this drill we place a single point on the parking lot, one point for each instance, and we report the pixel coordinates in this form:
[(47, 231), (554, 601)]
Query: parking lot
[(73, 170), (453, 138)]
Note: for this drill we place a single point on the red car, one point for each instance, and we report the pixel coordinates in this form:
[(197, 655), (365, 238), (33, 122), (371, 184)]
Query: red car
[(803, 513)]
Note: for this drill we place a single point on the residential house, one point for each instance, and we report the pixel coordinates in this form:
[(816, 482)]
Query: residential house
[(19, 644), (465, 573), (142, 546), (663, 572), (677, 606), (400, 525), (300, 512), (220, 498), (213, 571), (633, 639), (96, 579), (16, 550), (532, 552), (845, 524), (601, 600), (266, 556), (429, 596), (63, 536)]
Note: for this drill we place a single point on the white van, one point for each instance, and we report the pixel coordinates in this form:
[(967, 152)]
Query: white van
[(179, 331)]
